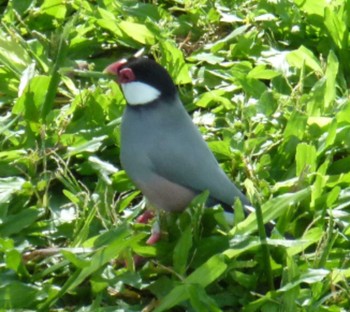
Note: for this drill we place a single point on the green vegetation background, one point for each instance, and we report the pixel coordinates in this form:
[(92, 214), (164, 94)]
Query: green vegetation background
[(266, 82)]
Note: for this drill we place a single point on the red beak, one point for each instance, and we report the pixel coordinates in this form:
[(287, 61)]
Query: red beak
[(114, 68)]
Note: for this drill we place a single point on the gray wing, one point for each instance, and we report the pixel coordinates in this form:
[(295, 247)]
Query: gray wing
[(183, 157)]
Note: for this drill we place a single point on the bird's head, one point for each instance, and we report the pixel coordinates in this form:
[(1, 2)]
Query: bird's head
[(142, 80)]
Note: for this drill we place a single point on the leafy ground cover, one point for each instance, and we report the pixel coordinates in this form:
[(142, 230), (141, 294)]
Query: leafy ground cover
[(266, 82)]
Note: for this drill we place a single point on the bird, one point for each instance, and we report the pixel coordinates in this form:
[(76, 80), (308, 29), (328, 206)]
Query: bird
[(161, 149)]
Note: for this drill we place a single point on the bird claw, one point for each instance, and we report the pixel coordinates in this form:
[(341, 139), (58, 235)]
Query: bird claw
[(155, 236)]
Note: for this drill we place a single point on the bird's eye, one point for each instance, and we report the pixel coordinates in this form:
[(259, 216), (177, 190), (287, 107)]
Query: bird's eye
[(126, 75)]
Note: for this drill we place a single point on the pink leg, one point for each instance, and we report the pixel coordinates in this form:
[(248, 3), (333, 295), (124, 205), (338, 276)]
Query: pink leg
[(145, 218), (155, 236)]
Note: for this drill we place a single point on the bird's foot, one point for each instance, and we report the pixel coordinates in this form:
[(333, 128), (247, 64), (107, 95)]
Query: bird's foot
[(145, 217), (155, 236)]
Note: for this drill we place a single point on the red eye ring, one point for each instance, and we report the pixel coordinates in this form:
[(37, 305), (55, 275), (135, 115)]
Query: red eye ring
[(126, 75)]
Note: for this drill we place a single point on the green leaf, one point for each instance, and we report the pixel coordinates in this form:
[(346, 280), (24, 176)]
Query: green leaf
[(240, 244), (182, 249), (207, 57), (13, 55), (296, 125), (14, 261), (200, 301), (17, 295), (312, 6), (203, 276), (178, 295), (75, 259), (311, 237), (55, 8), (16, 223), (21, 5), (320, 121), (215, 97), (208, 272), (33, 98), (222, 42), (108, 22), (305, 158), (138, 32), (59, 58), (331, 134), (310, 277), (338, 275), (104, 168), (335, 23), (260, 72), (304, 57), (343, 116), (104, 255), (9, 186), (221, 150), (331, 76), (173, 60), (117, 240), (333, 196), (271, 210), (88, 147)]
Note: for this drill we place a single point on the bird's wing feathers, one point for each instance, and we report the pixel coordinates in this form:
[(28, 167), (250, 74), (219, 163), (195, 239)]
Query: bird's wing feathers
[(183, 157)]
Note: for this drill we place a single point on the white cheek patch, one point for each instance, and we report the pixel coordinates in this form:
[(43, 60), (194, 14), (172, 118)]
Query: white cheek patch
[(138, 93)]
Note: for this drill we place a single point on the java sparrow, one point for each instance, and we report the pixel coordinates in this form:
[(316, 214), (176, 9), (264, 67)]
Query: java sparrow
[(162, 151)]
